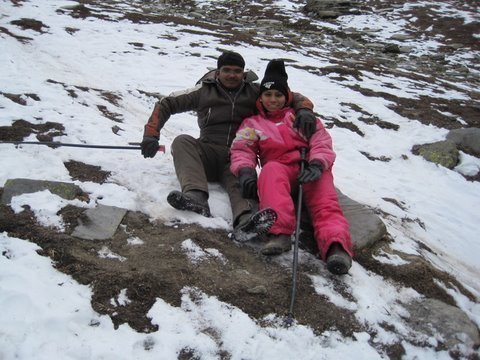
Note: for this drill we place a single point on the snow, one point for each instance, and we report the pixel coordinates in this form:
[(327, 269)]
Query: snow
[(47, 315), (45, 206), (196, 254)]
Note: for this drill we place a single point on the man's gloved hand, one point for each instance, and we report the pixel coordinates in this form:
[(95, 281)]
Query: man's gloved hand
[(306, 122), (310, 173), (149, 146), (247, 178)]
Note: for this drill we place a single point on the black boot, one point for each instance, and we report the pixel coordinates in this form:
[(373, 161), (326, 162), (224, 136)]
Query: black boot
[(338, 260), (193, 200), (257, 224), (277, 244)]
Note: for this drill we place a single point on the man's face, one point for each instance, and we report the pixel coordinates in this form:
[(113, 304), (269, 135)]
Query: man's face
[(231, 76)]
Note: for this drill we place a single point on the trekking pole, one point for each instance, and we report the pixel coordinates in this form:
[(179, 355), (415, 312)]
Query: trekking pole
[(289, 320), (133, 146)]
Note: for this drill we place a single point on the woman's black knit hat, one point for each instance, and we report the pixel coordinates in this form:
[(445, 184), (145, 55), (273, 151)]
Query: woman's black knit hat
[(275, 78)]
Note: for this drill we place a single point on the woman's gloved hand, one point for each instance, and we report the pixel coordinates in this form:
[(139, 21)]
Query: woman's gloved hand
[(247, 178)]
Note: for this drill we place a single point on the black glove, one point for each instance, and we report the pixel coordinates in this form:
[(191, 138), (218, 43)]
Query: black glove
[(306, 122), (149, 146), (310, 173), (247, 178)]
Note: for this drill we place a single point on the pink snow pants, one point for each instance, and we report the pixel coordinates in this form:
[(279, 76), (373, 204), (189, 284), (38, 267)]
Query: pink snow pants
[(275, 184)]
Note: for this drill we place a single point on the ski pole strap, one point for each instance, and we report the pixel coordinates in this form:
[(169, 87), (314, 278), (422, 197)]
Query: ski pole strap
[(134, 146)]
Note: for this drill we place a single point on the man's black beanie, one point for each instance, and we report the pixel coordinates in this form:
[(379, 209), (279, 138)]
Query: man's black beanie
[(275, 78), (230, 58)]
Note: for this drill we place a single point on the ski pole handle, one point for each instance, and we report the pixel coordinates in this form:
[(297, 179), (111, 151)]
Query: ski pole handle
[(303, 156), (161, 148)]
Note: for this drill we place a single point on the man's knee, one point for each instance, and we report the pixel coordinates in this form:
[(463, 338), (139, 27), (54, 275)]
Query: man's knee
[(182, 142)]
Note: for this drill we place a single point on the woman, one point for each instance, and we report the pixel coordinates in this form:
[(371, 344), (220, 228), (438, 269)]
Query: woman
[(271, 137)]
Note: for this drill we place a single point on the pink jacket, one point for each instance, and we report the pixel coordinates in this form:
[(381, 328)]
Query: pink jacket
[(273, 137)]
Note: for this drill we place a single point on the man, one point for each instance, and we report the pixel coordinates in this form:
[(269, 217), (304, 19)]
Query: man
[(221, 99)]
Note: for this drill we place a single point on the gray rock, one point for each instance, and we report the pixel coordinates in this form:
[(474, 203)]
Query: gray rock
[(401, 37), (271, 44), (385, 10), (197, 15), (442, 153), (467, 140), (258, 290), (101, 224), (375, 46), (366, 228), (457, 46), (391, 48), (438, 57), (450, 324), (406, 49), (232, 23), (14, 187), (328, 14), (102, 221), (331, 8), (270, 22)]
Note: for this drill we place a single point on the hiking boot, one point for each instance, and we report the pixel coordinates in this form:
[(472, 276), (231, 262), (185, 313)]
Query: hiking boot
[(277, 244), (338, 260), (252, 225), (193, 200)]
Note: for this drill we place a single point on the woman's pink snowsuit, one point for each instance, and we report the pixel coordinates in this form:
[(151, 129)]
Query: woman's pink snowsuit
[(276, 142)]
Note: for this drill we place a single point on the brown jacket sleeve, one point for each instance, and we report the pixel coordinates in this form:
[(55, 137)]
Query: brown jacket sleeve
[(178, 102), (152, 126), (301, 102)]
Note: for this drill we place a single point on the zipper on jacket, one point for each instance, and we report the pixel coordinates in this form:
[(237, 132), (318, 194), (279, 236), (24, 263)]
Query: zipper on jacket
[(233, 106), (208, 116), (230, 126), (231, 114)]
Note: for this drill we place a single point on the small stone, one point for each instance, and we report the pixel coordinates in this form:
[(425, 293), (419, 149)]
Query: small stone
[(257, 290)]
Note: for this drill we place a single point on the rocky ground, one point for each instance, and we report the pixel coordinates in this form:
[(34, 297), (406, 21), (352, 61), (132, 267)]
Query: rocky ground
[(160, 268)]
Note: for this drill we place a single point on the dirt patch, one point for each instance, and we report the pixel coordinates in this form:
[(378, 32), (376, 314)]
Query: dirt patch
[(22, 39), (30, 24), (109, 114), (20, 99), (85, 172), (20, 129), (417, 274)]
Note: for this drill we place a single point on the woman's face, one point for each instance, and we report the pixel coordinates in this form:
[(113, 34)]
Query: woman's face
[(273, 100)]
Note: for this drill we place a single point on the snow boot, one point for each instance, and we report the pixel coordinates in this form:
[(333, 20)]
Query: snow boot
[(277, 244), (250, 226), (338, 260), (193, 200)]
